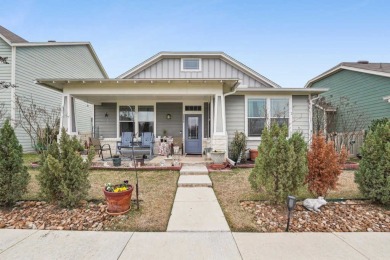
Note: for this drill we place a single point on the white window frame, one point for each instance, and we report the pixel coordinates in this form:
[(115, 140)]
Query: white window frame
[(268, 104), (136, 105), (182, 64)]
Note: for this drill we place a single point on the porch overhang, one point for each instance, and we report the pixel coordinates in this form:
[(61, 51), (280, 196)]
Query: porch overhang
[(282, 91)]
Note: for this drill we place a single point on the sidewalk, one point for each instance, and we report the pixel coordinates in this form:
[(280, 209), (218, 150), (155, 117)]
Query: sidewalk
[(32, 244)]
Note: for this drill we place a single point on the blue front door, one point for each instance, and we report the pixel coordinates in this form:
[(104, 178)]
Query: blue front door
[(193, 134)]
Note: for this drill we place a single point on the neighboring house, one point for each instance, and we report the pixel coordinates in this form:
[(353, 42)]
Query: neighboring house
[(358, 93), (28, 61), (198, 98), (365, 86)]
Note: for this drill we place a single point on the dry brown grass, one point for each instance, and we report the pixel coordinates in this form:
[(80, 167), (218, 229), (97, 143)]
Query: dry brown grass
[(233, 187), (157, 191)]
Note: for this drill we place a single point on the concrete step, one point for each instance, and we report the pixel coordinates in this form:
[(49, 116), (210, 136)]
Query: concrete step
[(198, 169), (194, 181)]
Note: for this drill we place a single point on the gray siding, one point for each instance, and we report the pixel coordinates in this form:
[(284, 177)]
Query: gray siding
[(211, 68), (84, 112), (235, 115), (107, 125), (5, 75), (51, 62), (300, 115), (174, 125)]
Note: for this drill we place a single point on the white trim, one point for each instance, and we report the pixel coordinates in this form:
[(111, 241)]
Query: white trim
[(343, 67), (190, 70), (268, 116), (13, 82)]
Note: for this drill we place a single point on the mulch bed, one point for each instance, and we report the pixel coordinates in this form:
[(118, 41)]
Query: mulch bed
[(45, 216), (347, 216)]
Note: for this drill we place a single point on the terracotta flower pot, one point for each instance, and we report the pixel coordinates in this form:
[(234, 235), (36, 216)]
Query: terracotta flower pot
[(253, 154), (118, 202)]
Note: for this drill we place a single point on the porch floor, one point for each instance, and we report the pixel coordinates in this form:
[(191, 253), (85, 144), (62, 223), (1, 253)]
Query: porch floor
[(155, 161)]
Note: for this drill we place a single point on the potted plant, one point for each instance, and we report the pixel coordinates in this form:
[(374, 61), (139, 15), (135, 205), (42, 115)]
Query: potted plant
[(218, 156), (118, 197), (116, 160), (253, 154)]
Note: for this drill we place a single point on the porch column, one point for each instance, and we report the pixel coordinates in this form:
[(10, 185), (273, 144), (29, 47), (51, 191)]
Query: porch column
[(68, 120), (219, 138)]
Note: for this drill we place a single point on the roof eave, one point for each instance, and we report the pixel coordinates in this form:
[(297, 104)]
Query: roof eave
[(343, 67), (283, 90)]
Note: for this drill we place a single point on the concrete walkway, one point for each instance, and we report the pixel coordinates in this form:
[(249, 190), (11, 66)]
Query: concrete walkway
[(33, 244), (196, 207)]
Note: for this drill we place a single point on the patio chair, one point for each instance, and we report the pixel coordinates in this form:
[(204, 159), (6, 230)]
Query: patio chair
[(125, 142), (147, 141), (95, 143)]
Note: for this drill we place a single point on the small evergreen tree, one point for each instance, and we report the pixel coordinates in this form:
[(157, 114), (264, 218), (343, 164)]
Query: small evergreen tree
[(64, 175), (238, 147), (373, 176), (325, 166), (14, 177), (276, 168)]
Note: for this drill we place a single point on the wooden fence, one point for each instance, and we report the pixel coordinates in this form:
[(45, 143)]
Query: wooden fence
[(351, 140)]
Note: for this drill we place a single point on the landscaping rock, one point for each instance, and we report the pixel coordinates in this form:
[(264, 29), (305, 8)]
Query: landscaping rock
[(346, 216)]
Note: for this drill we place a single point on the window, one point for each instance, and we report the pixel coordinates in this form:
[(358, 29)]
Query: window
[(126, 119), (145, 119), (279, 111), (256, 116), (190, 64), (193, 108), (263, 112)]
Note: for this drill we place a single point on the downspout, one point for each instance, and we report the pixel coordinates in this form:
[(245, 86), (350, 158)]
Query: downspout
[(234, 90), (311, 100)]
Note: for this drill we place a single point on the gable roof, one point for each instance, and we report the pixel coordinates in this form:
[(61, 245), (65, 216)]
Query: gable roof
[(9, 36), (380, 69), (221, 55), (17, 41)]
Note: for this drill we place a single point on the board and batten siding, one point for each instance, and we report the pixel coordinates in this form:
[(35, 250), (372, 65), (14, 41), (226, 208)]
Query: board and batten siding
[(107, 125), (35, 62), (300, 115), (174, 125), (365, 91), (212, 68), (5, 75)]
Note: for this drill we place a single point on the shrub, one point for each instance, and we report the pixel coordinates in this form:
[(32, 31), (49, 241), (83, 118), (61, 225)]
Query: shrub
[(14, 177), (280, 165), (238, 147), (373, 176), (325, 166), (63, 176)]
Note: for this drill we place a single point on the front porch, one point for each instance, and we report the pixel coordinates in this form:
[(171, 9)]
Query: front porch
[(189, 113)]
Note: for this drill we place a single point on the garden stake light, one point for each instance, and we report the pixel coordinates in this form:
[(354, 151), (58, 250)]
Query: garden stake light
[(291, 200), (135, 167)]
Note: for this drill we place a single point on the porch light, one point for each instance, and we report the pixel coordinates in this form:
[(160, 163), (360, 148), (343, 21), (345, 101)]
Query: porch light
[(291, 201), (169, 116), (106, 115)]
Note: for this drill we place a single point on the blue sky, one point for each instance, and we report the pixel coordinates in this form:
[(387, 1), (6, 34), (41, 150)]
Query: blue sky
[(289, 42)]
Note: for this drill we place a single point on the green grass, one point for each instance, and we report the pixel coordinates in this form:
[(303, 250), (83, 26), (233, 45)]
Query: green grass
[(28, 158)]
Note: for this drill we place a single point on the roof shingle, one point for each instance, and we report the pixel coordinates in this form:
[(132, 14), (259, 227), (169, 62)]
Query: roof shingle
[(10, 36)]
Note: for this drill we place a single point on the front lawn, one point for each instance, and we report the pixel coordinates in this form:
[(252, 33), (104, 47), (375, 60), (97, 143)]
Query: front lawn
[(157, 191), (232, 188)]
